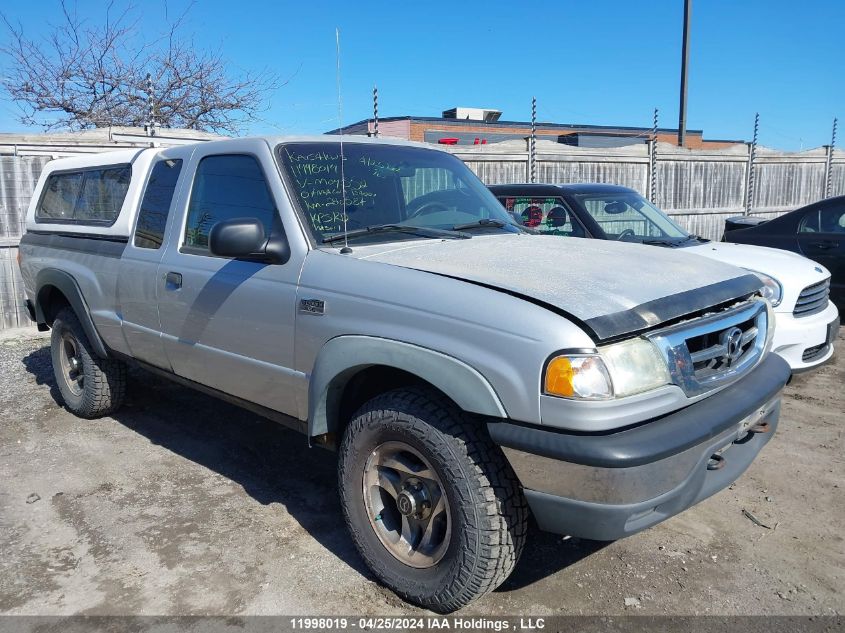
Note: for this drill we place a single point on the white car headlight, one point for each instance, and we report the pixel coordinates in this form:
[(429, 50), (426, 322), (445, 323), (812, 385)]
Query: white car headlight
[(772, 290), (618, 370)]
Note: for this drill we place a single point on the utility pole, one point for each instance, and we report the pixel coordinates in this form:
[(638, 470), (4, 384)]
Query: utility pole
[(682, 113)]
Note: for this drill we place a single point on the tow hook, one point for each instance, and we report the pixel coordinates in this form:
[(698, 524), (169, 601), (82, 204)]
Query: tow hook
[(715, 462), (760, 427)]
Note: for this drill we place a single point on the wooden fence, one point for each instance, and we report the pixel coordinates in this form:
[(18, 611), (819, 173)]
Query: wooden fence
[(699, 188)]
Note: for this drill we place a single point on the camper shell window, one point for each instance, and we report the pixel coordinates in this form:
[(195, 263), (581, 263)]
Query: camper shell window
[(86, 196)]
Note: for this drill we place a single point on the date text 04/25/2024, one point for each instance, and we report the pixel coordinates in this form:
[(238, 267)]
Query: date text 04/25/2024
[(417, 623)]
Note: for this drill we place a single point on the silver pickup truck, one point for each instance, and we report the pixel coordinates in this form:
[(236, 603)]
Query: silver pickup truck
[(375, 296)]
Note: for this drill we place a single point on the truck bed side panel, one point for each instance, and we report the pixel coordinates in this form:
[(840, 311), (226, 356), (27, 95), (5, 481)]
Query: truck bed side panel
[(93, 264)]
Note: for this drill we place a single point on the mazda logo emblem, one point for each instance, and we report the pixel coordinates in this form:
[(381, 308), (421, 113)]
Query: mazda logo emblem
[(732, 340), (406, 503)]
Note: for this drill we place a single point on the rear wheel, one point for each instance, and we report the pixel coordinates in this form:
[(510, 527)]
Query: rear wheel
[(90, 386), (432, 504)]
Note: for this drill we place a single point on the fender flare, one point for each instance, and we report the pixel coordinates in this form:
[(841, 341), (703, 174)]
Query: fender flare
[(344, 356), (66, 284)]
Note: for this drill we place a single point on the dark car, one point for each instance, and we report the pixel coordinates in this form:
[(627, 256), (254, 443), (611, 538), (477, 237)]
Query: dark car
[(607, 212), (816, 231)]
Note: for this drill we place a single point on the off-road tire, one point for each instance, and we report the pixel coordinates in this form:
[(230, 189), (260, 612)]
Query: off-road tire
[(103, 380), (488, 512)]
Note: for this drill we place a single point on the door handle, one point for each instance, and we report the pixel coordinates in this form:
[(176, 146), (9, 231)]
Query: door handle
[(172, 281), (826, 245)]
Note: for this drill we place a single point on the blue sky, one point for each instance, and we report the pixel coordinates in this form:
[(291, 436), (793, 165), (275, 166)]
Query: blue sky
[(604, 62)]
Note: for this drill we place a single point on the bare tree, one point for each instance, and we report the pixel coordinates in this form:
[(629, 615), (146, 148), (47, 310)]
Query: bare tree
[(94, 75)]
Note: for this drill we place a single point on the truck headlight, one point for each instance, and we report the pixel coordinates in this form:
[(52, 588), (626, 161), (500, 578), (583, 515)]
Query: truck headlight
[(618, 370), (583, 377), (635, 366), (771, 290)]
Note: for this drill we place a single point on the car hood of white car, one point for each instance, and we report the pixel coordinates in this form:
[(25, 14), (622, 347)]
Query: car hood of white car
[(794, 272), (612, 288)]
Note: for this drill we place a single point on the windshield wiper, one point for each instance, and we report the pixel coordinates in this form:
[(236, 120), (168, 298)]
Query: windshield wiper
[(397, 228), (660, 242), (479, 223)]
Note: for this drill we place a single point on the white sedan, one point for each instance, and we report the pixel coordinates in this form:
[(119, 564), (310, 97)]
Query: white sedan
[(806, 323)]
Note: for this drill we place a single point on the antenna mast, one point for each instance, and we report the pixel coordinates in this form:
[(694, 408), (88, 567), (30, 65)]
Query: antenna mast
[(345, 248)]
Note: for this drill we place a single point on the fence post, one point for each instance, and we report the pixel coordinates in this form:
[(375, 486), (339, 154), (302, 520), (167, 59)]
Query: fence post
[(532, 145), (652, 162), (151, 122), (375, 111), (528, 159), (749, 179), (828, 172)]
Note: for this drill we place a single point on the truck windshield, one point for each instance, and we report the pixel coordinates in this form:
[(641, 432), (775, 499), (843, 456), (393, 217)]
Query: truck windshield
[(387, 185), (629, 216)]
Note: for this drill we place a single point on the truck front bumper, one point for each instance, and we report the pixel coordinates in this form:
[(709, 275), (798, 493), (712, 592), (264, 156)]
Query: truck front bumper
[(609, 485)]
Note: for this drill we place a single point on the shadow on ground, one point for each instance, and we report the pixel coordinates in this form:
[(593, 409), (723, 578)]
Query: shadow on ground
[(274, 465), (546, 554)]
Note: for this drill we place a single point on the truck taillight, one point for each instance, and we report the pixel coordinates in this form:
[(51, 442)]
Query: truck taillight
[(19, 257)]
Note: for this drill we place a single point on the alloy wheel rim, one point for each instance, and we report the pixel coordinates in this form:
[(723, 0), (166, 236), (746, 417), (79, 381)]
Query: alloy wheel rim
[(71, 364), (407, 505)]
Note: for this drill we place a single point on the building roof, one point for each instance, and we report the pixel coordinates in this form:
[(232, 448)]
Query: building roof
[(543, 125), (562, 128)]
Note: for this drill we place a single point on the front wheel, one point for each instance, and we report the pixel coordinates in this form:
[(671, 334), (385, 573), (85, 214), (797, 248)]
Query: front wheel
[(432, 504)]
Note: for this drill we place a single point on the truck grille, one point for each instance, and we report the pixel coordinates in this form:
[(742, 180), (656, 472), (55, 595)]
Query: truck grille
[(813, 299), (711, 351)]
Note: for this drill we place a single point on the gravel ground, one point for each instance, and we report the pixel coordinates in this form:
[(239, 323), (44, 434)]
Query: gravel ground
[(181, 504)]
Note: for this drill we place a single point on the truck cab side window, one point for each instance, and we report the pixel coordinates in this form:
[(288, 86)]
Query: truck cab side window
[(226, 187), (155, 206)]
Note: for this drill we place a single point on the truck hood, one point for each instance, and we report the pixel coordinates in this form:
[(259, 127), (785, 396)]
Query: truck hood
[(610, 288)]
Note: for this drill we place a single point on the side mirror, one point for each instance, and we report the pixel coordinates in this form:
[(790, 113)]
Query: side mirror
[(244, 238), (239, 237)]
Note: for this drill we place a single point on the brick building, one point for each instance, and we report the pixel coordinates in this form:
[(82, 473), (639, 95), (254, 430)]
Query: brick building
[(473, 126)]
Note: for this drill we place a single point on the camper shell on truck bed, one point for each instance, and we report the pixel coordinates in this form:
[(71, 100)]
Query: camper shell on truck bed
[(376, 296)]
